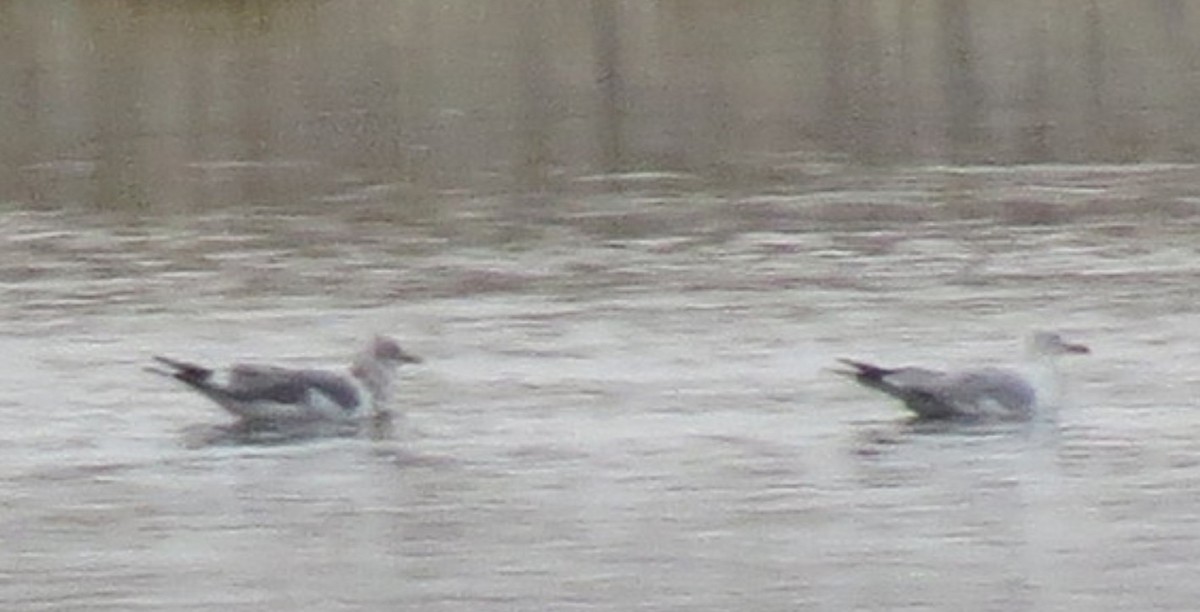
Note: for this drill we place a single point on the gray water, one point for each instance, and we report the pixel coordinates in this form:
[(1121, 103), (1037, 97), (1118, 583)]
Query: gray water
[(605, 419), (630, 243)]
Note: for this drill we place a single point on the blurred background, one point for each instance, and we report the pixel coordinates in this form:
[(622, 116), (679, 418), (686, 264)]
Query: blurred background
[(629, 239), (139, 104)]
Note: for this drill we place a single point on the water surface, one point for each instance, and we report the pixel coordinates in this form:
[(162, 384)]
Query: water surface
[(607, 418)]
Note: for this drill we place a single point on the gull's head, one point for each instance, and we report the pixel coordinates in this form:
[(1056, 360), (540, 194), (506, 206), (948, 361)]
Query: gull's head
[(387, 351), (1045, 343)]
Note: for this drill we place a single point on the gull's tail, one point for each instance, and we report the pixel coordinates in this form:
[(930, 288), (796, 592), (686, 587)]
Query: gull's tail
[(863, 372), (190, 373), (871, 376)]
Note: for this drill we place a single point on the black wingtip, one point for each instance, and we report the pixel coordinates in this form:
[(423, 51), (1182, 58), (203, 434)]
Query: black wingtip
[(182, 370), (863, 370)]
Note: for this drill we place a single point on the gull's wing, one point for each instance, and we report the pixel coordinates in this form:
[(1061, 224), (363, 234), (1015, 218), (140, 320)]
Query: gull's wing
[(288, 386), (990, 392), (270, 393), (969, 394), (921, 389)]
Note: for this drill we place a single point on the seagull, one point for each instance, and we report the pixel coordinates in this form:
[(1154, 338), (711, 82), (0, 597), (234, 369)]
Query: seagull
[(987, 393), (272, 395)]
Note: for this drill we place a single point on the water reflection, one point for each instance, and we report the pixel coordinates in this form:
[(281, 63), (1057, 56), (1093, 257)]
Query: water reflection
[(247, 433), (135, 105)]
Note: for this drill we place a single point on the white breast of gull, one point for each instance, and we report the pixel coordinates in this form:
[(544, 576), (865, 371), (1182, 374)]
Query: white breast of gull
[(266, 395), (988, 393)]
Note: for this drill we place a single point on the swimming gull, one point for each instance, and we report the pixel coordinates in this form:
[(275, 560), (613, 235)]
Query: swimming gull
[(260, 394), (987, 393)]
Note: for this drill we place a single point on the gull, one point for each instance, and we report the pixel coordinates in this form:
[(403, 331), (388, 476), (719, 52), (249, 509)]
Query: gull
[(272, 395), (987, 393)]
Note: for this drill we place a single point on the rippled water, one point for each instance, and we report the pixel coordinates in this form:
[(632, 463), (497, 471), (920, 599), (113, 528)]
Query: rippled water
[(626, 402)]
